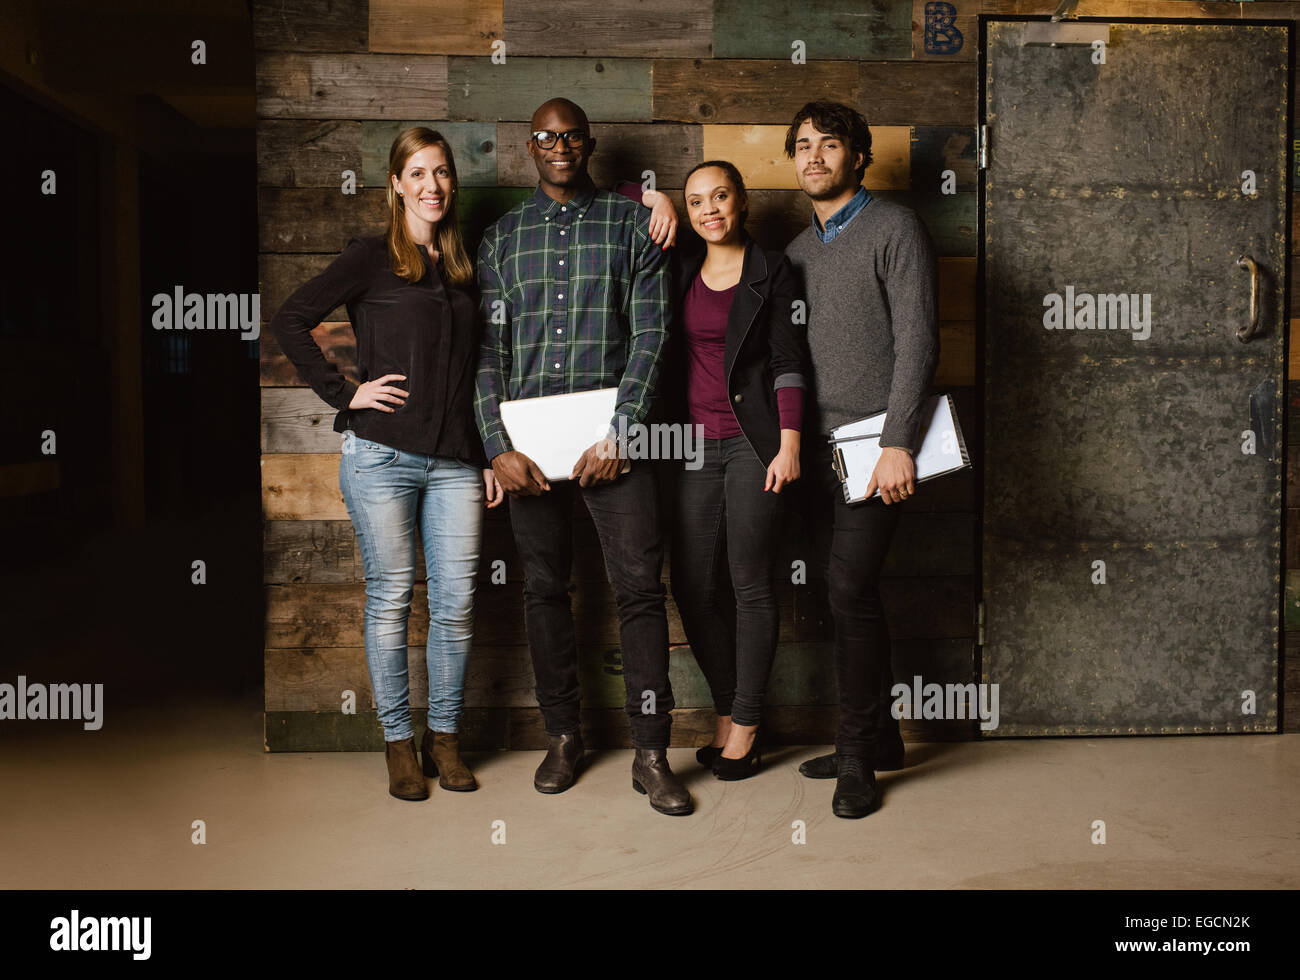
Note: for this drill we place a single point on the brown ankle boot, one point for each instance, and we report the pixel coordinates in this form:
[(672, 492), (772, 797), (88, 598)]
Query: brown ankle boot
[(442, 759), (404, 778)]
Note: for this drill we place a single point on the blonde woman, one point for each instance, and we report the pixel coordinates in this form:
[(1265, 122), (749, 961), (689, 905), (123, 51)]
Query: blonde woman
[(412, 462)]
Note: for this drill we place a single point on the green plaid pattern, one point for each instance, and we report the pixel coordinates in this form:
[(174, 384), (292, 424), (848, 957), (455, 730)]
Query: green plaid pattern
[(573, 297)]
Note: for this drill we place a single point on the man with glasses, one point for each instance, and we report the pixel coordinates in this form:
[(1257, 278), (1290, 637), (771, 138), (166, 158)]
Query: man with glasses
[(574, 298)]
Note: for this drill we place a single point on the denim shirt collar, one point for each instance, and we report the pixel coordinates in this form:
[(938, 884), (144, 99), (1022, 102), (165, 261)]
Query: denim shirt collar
[(837, 222)]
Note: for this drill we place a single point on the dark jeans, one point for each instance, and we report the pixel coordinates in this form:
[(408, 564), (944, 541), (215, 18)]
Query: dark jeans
[(854, 539), (727, 524), (626, 516)]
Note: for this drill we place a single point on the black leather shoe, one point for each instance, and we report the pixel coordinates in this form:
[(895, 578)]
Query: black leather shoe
[(821, 767), (855, 788), (652, 776), (560, 767), (706, 755), (742, 768), (888, 759)]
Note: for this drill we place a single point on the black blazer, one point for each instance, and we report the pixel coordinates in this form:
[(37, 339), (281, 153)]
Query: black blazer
[(765, 348)]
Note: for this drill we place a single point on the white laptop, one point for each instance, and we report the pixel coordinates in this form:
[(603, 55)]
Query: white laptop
[(555, 430)]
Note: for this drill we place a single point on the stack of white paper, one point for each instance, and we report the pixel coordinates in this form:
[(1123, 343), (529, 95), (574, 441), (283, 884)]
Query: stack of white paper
[(856, 447)]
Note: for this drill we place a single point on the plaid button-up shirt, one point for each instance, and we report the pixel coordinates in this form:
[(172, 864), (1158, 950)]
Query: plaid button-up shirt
[(574, 297)]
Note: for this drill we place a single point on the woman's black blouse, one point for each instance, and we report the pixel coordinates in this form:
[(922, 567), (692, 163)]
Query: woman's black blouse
[(427, 331)]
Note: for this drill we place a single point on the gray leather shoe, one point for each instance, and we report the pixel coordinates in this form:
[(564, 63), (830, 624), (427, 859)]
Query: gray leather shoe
[(560, 767), (652, 776)]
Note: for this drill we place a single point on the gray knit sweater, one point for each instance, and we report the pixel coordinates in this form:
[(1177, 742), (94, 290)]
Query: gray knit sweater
[(873, 320)]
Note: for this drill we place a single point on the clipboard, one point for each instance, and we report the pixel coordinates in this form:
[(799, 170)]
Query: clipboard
[(855, 447)]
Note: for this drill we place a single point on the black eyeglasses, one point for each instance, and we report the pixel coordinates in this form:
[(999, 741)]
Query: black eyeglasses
[(546, 138)]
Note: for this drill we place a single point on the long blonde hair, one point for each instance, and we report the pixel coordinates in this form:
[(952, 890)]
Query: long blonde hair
[(404, 252)]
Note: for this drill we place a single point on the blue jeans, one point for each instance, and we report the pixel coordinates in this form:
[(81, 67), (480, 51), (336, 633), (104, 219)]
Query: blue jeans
[(388, 494)]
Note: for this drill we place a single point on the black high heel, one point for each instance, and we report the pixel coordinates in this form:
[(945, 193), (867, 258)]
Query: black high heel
[(707, 754), (747, 765)]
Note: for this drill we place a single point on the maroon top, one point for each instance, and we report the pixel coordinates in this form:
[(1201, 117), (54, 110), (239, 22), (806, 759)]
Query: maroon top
[(704, 316), (789, 406)]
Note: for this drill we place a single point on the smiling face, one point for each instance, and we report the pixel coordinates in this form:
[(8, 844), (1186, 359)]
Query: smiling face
[(562, 165), (823, 164), (713, 205), (425, 185)]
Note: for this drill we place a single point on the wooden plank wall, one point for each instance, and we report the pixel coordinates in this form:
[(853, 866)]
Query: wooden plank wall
[(664, 85)]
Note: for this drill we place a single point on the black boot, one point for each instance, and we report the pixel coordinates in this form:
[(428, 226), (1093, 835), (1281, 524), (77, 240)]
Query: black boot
[(855, 788), (560, 767), (652, 776)]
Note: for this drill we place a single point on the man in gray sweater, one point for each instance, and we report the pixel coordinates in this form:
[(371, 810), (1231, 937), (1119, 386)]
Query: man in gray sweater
[(870, 280)]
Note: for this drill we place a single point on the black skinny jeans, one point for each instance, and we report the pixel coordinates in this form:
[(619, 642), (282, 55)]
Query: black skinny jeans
[(854, 539), (726, 523), (626, 515)]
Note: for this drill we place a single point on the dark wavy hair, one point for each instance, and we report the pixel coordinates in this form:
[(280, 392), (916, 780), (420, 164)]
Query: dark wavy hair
[(838, 120), (733, 175)]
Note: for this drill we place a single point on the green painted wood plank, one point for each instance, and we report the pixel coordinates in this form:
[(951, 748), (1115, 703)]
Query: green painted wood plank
[(608, 89), (473, 144), (939, 148), (832, 30), (610, 29), (482, 206)]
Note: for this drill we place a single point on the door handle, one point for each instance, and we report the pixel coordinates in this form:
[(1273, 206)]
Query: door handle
[(1245, 333)]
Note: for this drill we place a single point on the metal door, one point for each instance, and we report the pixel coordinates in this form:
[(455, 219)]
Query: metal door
[(1133, 441)]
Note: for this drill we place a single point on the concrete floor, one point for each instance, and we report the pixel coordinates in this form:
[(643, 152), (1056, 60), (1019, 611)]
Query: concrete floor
[(113, 809)]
